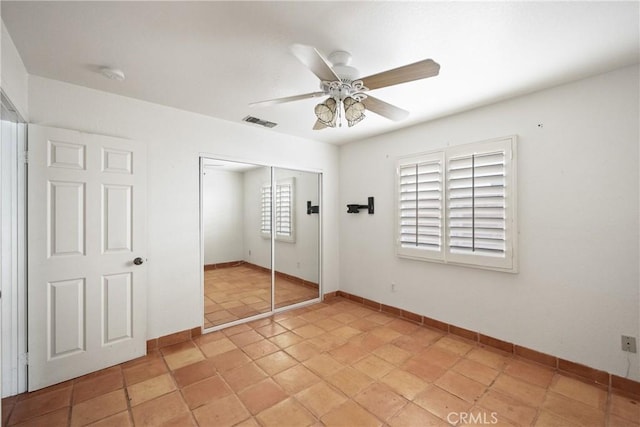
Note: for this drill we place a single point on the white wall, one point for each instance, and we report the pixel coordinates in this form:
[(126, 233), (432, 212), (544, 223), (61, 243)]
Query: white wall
[(578, 286), (175, 140), (13, 74), (222, 219)]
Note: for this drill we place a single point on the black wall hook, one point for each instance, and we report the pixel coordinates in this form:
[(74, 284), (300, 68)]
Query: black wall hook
[(355, 208), (312, 209)]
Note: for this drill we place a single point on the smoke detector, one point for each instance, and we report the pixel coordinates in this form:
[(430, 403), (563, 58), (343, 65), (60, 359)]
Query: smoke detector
[(112, 73)]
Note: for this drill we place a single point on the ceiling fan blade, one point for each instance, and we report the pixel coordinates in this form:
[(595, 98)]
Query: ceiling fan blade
[(384, 109), (408, 73), (319, 125), (319, 66), (285, 99)]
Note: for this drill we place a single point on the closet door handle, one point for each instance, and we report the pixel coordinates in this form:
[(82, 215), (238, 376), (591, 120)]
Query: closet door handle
[(138, 261)]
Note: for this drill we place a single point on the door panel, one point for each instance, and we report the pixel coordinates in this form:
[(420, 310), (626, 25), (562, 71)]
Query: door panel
[(116, 161), (86, 219), (65, 233), (117, 304), (67, 318), (117, 228), (66, 155)]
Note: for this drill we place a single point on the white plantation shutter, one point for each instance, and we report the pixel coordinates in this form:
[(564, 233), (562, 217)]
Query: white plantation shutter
[(284, 196), (481, 204), (477, 204), (478, 227), (420, 207), (283, 212), (265, 217)]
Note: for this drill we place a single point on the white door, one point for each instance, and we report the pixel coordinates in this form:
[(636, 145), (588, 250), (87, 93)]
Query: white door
[(86, 226)]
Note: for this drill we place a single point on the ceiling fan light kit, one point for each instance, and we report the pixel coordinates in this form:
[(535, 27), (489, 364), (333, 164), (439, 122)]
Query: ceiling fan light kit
[(344, 96), (346, 93), (353, 111), (326, 112)]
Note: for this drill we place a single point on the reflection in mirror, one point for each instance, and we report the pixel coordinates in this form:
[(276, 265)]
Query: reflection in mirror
[(297, 237), (237, 258)]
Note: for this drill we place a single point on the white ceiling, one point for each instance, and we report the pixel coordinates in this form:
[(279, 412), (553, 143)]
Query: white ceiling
[(214, 58)]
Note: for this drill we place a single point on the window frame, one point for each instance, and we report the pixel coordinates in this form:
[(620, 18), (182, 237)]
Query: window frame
[(506, 263)]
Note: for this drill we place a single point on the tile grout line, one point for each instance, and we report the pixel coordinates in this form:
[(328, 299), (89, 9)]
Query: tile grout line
[(73, 390), (175, 383), (235, 393), (126, 396)]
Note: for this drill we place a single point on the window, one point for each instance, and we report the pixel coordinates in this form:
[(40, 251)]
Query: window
[(283, 212), (458, 205)]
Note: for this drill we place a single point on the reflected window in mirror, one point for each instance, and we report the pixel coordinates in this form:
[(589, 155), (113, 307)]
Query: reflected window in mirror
[(284, 212)]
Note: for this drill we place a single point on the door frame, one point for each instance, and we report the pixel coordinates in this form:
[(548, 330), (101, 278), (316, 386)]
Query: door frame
[(15, 325), (211, 156)]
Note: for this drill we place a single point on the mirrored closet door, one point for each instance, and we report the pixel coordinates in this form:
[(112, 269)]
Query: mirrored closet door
[(260, 240), (297, 233)]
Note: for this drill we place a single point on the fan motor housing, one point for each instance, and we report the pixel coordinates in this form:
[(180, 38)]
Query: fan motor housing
[(340, 61), (346, 73)]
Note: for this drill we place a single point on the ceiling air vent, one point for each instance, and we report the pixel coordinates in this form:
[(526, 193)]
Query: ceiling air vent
[(251, 119)]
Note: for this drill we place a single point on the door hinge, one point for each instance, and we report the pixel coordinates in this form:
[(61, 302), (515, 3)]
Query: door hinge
[(24, 359), (25, 157)]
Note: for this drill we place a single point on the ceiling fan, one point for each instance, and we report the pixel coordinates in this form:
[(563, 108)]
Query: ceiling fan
[(347, 94)]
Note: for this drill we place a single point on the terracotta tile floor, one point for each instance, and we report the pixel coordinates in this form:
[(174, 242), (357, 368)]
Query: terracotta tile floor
[(237, 292), (334, 364)]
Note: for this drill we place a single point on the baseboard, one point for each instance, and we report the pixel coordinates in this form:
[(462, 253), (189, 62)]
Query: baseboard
[(223, 265), (175, 338), (606, 380), (279, 274)]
